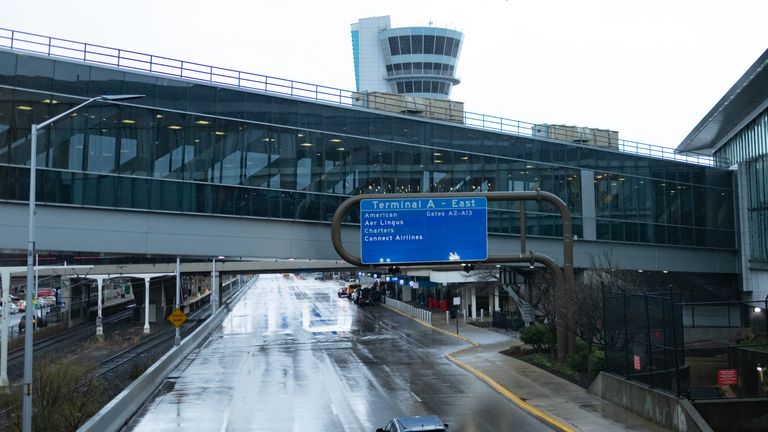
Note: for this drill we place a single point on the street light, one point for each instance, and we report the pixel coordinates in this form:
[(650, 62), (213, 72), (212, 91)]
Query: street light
[(27, 387)]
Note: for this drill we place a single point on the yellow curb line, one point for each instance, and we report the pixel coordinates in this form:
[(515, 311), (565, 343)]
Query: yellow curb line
[(464, 339), (541, 415)]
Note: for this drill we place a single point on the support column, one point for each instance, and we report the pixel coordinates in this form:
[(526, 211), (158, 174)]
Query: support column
[(473, 299), (6, 275), (99, 327), (214, 289), (146, 305), (495, 299), (177, 339)]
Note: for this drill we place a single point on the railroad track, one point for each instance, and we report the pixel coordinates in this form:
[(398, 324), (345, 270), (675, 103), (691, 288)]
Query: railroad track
[(73, 334)]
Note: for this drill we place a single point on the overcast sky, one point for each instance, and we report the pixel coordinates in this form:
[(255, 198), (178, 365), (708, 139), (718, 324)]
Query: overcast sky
[(648, 69)]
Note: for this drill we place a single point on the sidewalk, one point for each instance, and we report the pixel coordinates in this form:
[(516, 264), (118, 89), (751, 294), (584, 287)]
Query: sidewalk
[(557, 402)]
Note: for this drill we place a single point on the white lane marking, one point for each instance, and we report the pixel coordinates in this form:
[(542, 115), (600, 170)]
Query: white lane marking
[(417, 398)]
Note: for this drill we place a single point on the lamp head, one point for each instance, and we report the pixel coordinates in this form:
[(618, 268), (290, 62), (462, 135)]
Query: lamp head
[(116, 98)]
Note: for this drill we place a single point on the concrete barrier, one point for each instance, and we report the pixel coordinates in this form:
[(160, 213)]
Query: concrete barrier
[(121, 409), (657, 406)]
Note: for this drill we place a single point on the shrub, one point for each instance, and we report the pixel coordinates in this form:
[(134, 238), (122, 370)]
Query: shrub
[(537, 335), (596, 363), (577, 360)]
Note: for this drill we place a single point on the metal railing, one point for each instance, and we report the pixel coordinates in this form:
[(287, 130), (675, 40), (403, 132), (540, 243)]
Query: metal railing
[(420, 314), (402, 104)]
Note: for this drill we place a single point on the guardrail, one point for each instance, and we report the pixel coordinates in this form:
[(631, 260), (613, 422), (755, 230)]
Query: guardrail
[(420, 314), (402, 104), (119, 410)]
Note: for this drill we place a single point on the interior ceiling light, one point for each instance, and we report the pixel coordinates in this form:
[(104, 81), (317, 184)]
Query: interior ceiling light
[(159, 116), (174, 127), (220, 133), (49, 101), (438, 161), (203, 122), (531, 166), (465, 158), (335, 140), (129, 121), (340, 148), (306, 144), (300, 135), (437, 154), (24, 108)]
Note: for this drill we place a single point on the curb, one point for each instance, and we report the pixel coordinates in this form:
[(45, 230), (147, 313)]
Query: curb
[(431, 326), (530, 409)]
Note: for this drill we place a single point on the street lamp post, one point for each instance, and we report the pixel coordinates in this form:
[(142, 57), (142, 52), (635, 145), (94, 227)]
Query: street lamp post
[(28, 330)]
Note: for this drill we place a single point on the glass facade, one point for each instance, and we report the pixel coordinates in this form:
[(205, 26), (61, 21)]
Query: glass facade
[(749, 149), (192, 147)]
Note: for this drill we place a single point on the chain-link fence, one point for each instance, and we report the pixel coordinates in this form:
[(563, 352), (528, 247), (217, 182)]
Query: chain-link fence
[(642, 335), (699, 350)]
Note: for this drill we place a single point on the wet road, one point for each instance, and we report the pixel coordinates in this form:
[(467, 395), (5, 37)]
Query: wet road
[(292, 356)]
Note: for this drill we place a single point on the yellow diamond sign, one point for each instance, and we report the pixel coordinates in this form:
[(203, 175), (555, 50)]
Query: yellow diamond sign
[(177, 318)]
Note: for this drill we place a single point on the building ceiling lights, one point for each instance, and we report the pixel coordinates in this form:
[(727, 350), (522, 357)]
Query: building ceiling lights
[(465, 158), (438, 161), (340, 148), (24, 108), (306, 144), (437, 154), (203, 122), (49, 101), (174, 127), (335, 140), (128, 121), (159, 116), (220, 133)]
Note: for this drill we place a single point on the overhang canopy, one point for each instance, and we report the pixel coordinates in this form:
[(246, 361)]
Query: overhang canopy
[(740, 105)]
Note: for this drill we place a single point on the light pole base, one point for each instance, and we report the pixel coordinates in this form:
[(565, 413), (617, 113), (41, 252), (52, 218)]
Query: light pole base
[(4, 385), (146, 329)]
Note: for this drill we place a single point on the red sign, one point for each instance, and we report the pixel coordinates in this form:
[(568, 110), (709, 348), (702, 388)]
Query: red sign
[(727, 377), (636, 362)]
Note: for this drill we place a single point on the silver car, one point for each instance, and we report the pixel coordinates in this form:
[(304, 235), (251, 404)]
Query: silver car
[(430, 423)]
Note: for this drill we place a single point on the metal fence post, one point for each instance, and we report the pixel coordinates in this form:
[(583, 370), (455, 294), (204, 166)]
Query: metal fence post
[(648, 339), (674, 344), (626, 338)]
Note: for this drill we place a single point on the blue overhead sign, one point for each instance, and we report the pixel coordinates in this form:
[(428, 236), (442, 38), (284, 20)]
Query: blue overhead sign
[(414, 230)]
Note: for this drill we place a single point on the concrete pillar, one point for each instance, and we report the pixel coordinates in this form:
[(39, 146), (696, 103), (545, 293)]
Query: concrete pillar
[(406, 292), (473, 302), (99, 328), (146, 305), (214, 289), (495, 306), (6, 275)]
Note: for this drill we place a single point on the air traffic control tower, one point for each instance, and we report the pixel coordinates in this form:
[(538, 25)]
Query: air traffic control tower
[(415, 61)]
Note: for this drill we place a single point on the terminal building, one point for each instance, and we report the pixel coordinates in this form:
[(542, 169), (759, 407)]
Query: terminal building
[(217, 162), (736, 130)]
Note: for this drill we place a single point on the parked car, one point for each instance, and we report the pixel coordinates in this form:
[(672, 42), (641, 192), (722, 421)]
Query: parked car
[(430, 423), (351, 289), (364, 297)]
